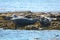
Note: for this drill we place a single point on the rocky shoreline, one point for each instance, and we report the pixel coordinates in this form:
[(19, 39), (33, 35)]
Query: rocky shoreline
[(6, 23)]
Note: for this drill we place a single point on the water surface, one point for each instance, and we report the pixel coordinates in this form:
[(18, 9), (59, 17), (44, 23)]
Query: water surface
[(29, 34)]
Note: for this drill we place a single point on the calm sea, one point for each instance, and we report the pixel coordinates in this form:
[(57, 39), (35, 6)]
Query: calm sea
[(29, 35)]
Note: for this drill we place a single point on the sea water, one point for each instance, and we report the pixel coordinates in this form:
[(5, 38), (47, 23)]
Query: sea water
[(29, 35)]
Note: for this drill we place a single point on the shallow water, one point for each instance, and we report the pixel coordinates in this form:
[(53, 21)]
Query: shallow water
[(29, 34)]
